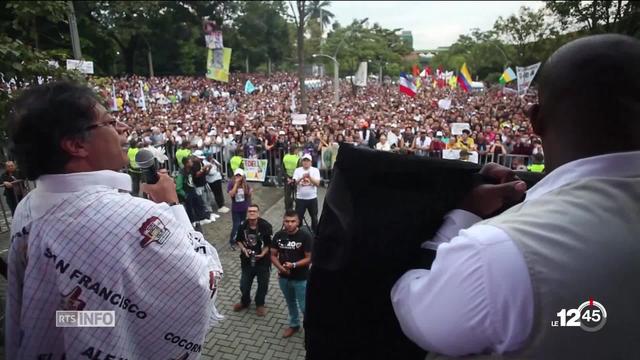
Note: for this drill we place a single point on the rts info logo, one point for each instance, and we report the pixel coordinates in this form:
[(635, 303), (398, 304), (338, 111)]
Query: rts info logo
[(590, 316)]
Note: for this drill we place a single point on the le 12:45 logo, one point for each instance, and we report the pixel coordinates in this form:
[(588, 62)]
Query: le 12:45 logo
[(589, 316)]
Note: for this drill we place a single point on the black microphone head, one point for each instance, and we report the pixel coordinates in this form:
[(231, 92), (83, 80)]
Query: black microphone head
[(145, 159)]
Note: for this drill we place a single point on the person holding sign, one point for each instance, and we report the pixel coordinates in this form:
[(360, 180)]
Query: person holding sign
[(240, 194), (307, 179)]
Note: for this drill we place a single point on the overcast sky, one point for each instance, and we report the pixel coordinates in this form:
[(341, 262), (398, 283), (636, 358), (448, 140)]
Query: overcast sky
[(432, 23)]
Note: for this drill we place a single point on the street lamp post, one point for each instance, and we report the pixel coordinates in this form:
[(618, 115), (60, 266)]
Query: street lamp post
[(336, 85)]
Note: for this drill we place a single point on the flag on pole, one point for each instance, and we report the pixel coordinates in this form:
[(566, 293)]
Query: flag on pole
[(428, 70), (142, 100), (418, 82), (360, 78), (406, 85), (114, 102), (248, 87), (415, 70), (453, 80), (525, 76), (507, 75), (464, 79), (423, 73)]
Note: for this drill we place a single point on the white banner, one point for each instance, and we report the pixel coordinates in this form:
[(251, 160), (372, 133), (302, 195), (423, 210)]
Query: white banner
[(455, 155), (525, 76), (360, 79), (85, 67), (444, 104), (299, 119), (456, 128)]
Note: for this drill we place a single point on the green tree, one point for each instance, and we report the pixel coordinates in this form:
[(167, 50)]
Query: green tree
[(598, 16), (20, 60), (522, 31)]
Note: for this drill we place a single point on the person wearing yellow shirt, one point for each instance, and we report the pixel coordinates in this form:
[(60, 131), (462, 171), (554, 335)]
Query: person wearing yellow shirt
[(465, 142), (133, 169), (183, 152), (290, 162), (538, 163)]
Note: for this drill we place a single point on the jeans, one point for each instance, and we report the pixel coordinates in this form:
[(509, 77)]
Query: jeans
[(237, 217), (206, 195), (312, 205), (294, 294), (195, 206), (246, 281)]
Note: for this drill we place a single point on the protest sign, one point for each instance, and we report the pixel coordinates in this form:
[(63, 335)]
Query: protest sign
[(255, 169), (456, 128), (525, 76), (299, 119)]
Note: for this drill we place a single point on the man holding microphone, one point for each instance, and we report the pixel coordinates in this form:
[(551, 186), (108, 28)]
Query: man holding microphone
[(80, 241)]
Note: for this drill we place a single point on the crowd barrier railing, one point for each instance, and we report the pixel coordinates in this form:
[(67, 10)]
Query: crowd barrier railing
[(20, 189)]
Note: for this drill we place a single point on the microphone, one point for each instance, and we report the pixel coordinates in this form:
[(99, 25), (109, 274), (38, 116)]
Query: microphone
[(147, 164)]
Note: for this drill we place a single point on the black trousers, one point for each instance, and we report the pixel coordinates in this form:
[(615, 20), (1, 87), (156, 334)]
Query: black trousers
[(312, 206), (12, 202), (289, 194), (246, 281), (216, 187)]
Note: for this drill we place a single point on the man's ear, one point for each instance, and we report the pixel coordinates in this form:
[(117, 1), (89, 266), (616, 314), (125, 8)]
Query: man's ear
[(74, 146), (537, 122)]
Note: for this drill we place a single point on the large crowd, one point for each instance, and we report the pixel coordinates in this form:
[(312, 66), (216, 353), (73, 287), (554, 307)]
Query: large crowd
[(222, 118)]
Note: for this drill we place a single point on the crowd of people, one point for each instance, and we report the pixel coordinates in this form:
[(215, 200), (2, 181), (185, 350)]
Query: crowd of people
[(222, 119)]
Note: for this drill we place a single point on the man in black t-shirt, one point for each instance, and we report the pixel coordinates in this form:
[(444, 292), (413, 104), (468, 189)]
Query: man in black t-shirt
[(254, 238), (291, 255)]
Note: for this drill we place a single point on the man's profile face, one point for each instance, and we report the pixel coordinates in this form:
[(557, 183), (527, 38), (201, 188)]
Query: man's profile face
[(291, 223), (105, 145)]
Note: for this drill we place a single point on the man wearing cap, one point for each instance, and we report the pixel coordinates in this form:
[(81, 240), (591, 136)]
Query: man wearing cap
[(307, 180)]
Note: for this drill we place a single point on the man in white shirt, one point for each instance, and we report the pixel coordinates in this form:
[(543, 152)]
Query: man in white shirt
[(81, 242), (506, 285), (307, 180)]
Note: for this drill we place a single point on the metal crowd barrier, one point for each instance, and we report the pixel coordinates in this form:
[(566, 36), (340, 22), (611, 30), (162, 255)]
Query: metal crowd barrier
[(20, 189)]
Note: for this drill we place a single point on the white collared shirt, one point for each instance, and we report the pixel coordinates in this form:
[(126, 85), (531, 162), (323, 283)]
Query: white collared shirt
[(79, 244), (478, 295)]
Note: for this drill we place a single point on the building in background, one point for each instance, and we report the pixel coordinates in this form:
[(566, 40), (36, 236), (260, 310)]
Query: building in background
[(407, 38)]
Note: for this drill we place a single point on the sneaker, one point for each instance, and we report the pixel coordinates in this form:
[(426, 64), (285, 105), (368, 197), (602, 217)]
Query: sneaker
[(261, 311), (223, 210), (213, 217), (205, 222), (288, 332)]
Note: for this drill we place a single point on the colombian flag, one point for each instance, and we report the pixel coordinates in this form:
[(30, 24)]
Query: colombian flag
[(464, 80)]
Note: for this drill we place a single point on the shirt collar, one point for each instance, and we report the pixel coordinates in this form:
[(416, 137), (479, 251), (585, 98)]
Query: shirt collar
[(72, 182), (624, 164)]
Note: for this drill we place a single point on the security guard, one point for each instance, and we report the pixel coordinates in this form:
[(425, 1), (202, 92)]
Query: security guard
[(133, 169), (290, 162)]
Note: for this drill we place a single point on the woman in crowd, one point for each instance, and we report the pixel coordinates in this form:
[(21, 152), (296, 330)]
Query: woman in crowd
[(240, 193)]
